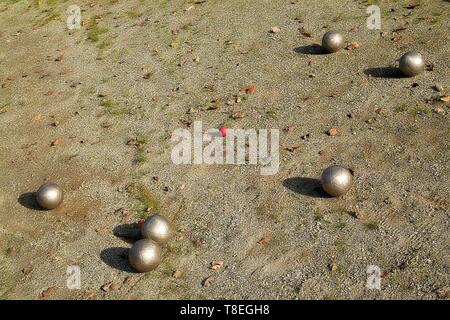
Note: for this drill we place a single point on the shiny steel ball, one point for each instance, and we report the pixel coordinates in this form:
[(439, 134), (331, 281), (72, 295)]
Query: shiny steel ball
[(336, 180), (49, 196), (332, 41), (156, 228), (412, 64), (145, 255)]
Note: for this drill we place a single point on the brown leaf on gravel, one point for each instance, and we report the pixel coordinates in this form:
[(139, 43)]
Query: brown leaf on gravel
[(177, 274), (237, 114), (352, 45), (213, 106), (322, 152), (379, 110), (100, 230), (217, 265), (438, 110), (445, 98), (250, 89), (55, 143), (207, 281), (304, 33), (264, 240), (399, 29), (411, 6), (292, 149), (47, 292), (332, 132), (110, 286), (186, 122), (396, 38), (333, 94), (37, 118), (89, 294), (358, 214), (332, 266), (60, 58)]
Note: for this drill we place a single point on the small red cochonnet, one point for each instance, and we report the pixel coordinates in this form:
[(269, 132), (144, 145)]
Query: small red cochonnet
[(223, 131)]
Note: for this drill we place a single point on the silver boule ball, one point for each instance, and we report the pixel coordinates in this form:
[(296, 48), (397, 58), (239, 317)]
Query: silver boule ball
[(336, 180), (49, 196), (332, 41), (145, 255), (157, 228), (412, 64)]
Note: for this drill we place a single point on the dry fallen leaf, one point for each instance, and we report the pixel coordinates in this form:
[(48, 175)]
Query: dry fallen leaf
[(332, 266), (352, 45), (445, 98), (304, 33), (89, 294), (55, 142), (110, 286), (100, 229), (216, 265), (332, 132), (47, 292), (379, 110), (208, 281), (358, 214), (37, 118), (250, 89), (264, 240), (60, 58), (177, 274), (292, 149), (438, 110), (237, 114), (396, 38)]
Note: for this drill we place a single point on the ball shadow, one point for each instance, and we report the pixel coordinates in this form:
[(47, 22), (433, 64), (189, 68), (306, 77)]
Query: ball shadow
[(311, 49), (306, 186), (128, 232), (28, 200), (385, 72), (117, 258)]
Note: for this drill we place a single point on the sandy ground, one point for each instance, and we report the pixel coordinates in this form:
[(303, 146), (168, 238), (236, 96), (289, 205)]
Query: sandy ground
[(141, 69)]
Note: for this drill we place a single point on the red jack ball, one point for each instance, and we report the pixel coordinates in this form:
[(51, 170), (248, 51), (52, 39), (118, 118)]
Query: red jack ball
[(223, 131)]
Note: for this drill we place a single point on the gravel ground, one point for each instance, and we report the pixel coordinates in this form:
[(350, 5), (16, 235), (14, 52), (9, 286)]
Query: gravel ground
[(71, 100)]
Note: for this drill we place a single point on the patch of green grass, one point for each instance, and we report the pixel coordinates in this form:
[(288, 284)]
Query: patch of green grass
[(401, 108), (372, 226), (141, 156), (318, 216), (340, 225), (271, 114), (133, 14), (104, 44), (50, 16), (420, 111), (142, 139), (94, 31), (341, 245), (145, 197), (112, 107)]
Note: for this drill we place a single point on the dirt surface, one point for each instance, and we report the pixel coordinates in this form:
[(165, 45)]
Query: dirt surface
[(71, 100)]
